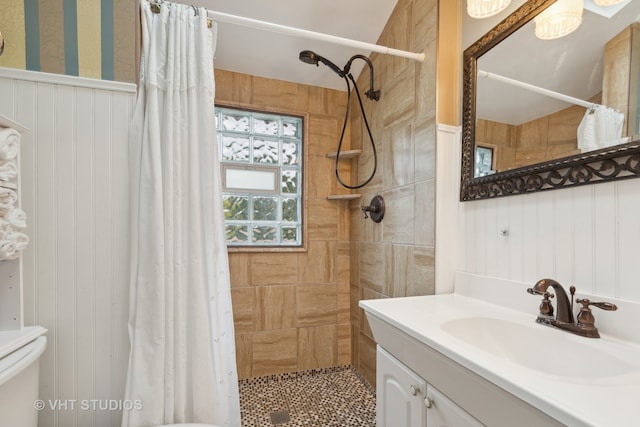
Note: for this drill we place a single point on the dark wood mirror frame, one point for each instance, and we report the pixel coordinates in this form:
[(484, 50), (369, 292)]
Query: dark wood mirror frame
[(607, 164)]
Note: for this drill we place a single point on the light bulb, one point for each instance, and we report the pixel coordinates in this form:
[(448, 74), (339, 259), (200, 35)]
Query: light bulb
[(486, 8), (559, 19)]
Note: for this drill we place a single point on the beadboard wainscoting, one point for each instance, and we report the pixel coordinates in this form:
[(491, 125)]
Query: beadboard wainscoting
[(583, 236), (74, 190)]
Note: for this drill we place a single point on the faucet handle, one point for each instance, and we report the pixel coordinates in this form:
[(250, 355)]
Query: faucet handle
[(605, 306), (585, 318), (546, 309), (602, 305)]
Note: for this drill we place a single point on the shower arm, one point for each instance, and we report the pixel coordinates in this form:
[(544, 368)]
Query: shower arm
[(313, 58), (372, 94)]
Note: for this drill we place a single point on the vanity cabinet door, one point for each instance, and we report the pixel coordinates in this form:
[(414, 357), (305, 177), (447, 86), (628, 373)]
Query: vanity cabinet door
[(443, 412), (400, 394)]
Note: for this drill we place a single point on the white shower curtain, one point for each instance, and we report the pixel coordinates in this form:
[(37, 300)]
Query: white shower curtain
[(182, 364)]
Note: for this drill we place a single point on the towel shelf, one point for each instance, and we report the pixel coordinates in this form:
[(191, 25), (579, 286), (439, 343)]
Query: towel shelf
[(11, 279), (6, 122)]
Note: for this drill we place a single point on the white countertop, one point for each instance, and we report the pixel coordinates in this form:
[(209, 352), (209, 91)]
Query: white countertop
[(603, 401)]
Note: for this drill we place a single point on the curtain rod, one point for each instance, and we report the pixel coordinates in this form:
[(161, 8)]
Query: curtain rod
[(254, 23), (543, 91), (283, 29)]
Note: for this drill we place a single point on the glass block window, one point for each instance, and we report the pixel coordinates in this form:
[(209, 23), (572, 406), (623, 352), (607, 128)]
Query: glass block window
[(261, 159)]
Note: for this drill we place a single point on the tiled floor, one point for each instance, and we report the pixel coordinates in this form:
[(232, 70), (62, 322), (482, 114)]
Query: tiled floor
[(333, 397)]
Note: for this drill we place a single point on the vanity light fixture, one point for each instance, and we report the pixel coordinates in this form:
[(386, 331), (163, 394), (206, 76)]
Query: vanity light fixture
[(559, 19), (607, 2), (486, 8)]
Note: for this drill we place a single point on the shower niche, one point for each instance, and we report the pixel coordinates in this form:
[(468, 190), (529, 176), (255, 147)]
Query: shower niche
[(349, 155)]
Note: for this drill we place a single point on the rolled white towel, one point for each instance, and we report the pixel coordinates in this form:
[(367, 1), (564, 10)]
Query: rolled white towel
[(7, 249), (8, 170), (8, 197), (12, 244), (16, 217), (9, 143), (5, 228), (19, 239)]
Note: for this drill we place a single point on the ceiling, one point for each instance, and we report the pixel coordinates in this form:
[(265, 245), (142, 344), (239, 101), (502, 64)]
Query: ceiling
[(268, 54)]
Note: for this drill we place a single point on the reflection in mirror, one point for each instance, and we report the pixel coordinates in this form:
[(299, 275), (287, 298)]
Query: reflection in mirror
[(538, 104), (533, 94)]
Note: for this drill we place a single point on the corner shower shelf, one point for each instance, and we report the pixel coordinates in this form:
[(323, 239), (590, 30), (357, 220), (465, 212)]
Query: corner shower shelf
[(344, 155), (347, 154), (344, 196)]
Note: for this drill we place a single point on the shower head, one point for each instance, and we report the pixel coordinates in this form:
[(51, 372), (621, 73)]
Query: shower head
[(309, 57)]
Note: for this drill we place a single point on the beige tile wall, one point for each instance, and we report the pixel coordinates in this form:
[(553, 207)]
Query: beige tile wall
[(396, 257), (291, 309), (621, 58)]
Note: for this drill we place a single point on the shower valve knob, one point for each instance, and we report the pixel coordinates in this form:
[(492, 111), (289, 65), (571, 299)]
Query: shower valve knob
[(375, 209)]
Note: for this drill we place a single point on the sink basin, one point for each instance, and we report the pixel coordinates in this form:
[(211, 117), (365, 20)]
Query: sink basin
[(541, 348)]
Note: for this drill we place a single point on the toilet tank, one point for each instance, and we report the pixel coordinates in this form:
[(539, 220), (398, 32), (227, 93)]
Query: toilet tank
[(20, 353)]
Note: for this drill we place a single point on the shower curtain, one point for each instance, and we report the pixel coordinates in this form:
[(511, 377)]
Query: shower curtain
[(182, 364)]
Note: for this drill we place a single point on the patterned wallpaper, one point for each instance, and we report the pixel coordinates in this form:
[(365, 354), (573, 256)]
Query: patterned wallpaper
[(86, 38)]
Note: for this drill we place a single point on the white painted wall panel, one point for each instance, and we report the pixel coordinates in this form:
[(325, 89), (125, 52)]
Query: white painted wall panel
[(84, 219), (75, 192), (544, 228), (583, 237), (530, 243), (448, 188), (563, 261), (65, 225), (44, 238), (606, 233), (515, 240), (491, 243), (628, 208), (119, 206)]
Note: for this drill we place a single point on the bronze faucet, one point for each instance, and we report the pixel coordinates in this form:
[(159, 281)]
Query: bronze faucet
[(564, 319)]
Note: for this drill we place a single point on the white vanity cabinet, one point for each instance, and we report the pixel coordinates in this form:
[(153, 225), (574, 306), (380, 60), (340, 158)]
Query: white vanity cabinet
[(400, 393), (461, 396), (443, 412), (404, 399)]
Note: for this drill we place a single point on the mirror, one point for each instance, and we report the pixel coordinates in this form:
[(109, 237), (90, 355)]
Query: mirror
[(518, 139)]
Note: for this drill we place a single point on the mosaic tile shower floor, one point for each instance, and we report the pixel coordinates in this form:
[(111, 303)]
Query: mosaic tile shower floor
[(333, 397)]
